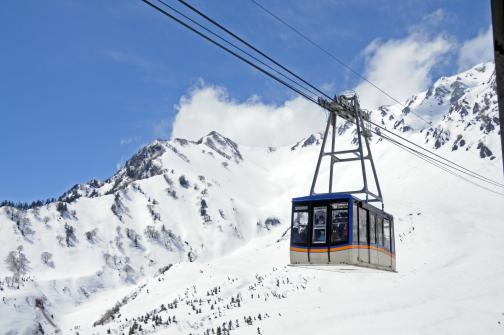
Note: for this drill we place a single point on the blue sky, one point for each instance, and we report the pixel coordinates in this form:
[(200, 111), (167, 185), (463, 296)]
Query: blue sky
[(86, 83)]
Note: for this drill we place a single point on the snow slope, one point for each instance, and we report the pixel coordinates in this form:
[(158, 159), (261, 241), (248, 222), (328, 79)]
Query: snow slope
[(192, 237)]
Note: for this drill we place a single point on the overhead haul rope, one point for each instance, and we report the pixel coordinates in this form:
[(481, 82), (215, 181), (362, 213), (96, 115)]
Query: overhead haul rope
[(237, 47), (342, 63), (229, 50), (220, 26), (436, 163), (472, 174), (217, 24), (339, 61), (195, 30), (455, 167)]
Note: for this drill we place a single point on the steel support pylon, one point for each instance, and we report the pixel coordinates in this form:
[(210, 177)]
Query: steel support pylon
[(348, 109)]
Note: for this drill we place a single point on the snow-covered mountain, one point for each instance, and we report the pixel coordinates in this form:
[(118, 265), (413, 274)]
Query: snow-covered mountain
[(462, 110), (192, 237)]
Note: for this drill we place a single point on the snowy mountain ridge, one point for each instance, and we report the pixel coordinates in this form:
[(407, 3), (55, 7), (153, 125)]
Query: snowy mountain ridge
[(471, 101), (192, 236)]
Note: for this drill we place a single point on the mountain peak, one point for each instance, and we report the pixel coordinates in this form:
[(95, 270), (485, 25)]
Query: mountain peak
[(313, 139), (462, 105), (224, 146)]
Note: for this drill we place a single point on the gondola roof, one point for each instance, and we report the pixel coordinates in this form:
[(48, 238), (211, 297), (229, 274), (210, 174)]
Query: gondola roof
[(325, 196)]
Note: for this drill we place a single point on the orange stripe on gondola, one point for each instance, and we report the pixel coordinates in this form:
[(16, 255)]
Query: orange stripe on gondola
[(346, 247), (298, 249), (318, 250)]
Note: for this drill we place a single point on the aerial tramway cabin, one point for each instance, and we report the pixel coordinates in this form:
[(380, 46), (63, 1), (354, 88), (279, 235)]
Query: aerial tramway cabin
[(336, 228)]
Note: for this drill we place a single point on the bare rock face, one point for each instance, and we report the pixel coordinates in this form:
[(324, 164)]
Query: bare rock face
[(463, 103), (223, 146), (142, 165), (313, 139), (485, 152)]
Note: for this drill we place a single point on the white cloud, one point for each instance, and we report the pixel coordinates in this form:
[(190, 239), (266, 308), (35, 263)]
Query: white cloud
[(250, 122), (476, 50), (401, 67)]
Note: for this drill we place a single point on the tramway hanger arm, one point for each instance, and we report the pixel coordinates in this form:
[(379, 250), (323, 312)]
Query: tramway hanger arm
[(347, 107), (342, 106), (339, 106)]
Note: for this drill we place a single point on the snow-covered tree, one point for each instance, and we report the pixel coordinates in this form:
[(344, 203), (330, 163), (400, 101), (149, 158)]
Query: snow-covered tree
[(119, 208), (70, 238), (92, 236), (17, 263), (46, 258), (134, 237)]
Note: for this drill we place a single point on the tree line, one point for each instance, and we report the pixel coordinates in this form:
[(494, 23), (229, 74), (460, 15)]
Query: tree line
[(27, 205)]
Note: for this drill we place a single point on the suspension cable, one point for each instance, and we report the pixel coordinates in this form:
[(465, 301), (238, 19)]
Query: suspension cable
[(342, 63), (229, 50), (217, 24), (235, 46), (303, 94), (331, 55), (436, 164), (467, 171)]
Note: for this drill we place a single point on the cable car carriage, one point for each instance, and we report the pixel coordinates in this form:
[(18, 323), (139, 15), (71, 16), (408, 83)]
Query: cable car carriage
[(339, 227)]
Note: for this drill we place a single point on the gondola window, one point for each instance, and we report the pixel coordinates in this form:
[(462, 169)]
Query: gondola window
[(379, 231), (355, 231), (300, 227), (339, 224), (319, 224), (362, 226), (386, 234), (372, 229)]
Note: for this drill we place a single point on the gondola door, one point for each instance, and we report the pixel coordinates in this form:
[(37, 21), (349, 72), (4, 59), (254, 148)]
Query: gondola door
[(319, 248), (363, 236), (373, 253), (387, 240)]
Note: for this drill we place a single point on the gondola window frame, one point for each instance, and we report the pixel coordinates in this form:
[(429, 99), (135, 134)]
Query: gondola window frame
[(379, 231), (372, 228), (305, 210), (340, 221), (355, 223), (387, 234), (317, 226), (363, 224)]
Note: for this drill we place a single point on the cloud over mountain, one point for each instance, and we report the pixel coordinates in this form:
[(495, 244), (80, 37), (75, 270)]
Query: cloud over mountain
[(476, 50), (251, 122)]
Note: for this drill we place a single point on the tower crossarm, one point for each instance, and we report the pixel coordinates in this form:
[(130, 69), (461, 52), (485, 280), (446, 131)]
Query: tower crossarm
[(348, 108), (340, 106)]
